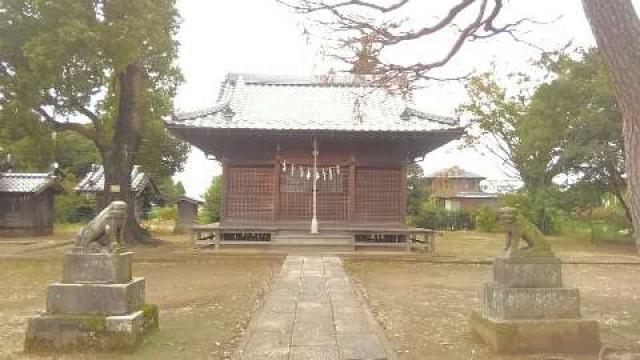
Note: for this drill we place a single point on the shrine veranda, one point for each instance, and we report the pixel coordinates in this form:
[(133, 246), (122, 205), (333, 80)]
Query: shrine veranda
[(294, 151)]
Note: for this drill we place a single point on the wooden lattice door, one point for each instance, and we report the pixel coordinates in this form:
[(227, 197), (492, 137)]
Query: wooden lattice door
[(296, 197)]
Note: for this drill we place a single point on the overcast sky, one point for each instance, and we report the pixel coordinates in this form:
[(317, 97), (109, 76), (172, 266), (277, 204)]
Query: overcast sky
[(261, 36)]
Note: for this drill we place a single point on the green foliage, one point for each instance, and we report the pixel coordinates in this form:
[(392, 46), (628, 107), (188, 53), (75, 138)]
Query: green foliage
[(581, 98), (541, 246), (170, 189), (163, 213), (529, 146), (416, 189), (62, 60), (212, 202), (70, 207), (487, 219), (432, 216), (569, 124), (543, 207)]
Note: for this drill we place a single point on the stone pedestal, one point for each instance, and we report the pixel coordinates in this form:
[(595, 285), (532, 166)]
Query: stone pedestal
[(98, 306), (527, 310)]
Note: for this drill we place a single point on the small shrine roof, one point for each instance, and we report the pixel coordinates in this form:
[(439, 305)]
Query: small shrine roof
[(11, 182), (93, 181)]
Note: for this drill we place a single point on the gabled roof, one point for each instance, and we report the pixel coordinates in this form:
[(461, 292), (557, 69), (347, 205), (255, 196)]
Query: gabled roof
[(343, 103), (188, 199), (93, 181), (29, 183), (455, 172)]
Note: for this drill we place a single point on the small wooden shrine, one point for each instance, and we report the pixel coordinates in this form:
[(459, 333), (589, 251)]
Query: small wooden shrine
[(26, 203), (186, 213), (313, 154), (145, 188)]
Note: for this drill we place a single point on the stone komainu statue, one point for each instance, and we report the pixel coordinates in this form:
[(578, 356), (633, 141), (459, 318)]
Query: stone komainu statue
[(517, 227), (104, 233)]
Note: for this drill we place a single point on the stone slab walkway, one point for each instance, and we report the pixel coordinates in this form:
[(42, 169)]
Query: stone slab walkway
[(313, 313)]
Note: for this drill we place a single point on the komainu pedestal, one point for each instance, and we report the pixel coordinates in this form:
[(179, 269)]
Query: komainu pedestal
[(526, 309), (98, 305)]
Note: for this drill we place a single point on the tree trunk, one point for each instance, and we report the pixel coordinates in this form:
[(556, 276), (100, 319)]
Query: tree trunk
[(616, 27), (120, 159)]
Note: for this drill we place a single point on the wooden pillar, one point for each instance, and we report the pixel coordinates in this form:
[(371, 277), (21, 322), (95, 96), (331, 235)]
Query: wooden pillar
[(403, 196), (276, 186), (352, 191)]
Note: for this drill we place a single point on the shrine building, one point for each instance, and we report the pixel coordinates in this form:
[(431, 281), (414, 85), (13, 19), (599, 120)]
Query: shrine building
[(312, 155)]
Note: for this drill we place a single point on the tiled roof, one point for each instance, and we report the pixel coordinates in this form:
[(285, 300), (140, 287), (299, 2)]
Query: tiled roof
[(188, 199), (333, 102), (455, 172), (94, 180), (26, 182), (475, 195)]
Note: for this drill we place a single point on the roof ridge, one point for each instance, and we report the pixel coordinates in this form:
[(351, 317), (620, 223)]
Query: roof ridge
[(342, 79)]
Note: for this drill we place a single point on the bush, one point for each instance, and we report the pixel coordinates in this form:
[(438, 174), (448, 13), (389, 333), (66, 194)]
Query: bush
[(212, 202), (543, 207), (71, 208), (431, 216), (487, 219), (163, 213)]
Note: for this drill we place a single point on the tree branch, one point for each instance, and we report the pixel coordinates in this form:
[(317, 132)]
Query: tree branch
[(62, 126)]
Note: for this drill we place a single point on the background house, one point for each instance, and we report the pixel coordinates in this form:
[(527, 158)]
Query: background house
[(26, 203), (458, 190), (145, 188)]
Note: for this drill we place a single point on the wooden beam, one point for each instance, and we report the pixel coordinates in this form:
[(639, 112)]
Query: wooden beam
[(352, 191)]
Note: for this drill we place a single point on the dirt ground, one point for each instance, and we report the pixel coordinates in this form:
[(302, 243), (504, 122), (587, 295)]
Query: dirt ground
[(205, 300), (424, 307)]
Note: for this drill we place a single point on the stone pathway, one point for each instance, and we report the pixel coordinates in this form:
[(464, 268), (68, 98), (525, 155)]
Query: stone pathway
[(313, 313)]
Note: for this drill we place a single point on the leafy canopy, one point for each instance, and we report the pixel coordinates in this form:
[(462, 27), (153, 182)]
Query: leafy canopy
[(59, 64)]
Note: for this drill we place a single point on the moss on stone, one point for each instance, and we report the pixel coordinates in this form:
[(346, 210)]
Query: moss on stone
[(91, 322), (541, 246), (151, 316)]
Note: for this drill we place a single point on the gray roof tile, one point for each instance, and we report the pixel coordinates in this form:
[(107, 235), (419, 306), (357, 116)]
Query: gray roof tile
[(336, 103), (94, 180), (11, 182)]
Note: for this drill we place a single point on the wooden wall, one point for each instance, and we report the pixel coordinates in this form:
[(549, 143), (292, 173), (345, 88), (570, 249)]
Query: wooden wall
[(26, 214), (371, 188)]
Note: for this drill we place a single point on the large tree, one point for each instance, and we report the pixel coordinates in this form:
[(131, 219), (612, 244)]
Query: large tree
[(616, 27), (104, 69)]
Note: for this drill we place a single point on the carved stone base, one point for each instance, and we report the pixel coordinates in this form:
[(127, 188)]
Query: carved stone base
[(68, 333), (528, 272), (98, 299), (106, 268), (504, 303), (537, 336)]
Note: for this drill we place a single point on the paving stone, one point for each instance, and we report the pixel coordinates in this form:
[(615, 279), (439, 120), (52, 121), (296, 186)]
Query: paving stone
[(275, 321), (312, 336), (267, 344), (312, 312), (280, 304), (361, 346), (314, 307), (314, 353), (358, 323)]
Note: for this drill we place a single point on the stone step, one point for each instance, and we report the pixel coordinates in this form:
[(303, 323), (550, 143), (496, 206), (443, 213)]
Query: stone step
[(306, 239)]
